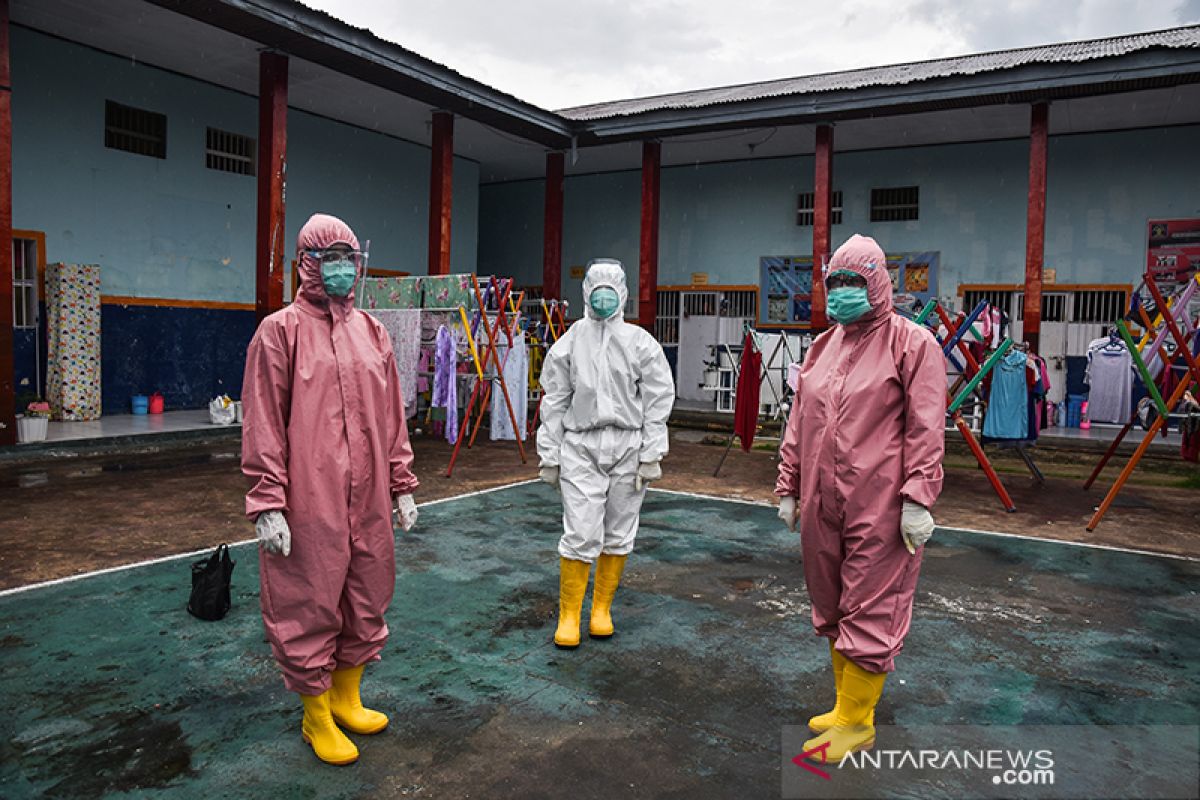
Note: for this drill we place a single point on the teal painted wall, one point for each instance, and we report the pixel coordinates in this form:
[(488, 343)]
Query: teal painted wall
[(171, 227), (719, 218)]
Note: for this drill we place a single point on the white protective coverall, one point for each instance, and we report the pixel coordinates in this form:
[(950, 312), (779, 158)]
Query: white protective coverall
[(608, 394)]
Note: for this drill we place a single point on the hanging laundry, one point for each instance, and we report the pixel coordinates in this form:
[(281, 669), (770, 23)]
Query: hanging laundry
[(445, 384), (1039, 385), (73, 339), (404, 328), (424, 365), (1110, 376), (393, 293), (1008, 401), (447, 291), (516, 376), (1190, 428), (749, 385)]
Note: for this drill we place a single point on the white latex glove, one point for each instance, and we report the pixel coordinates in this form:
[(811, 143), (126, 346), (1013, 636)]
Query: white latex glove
[(273, 533), (787, 511), (647, 473), (916, 525), (549, 474), (406, 512)]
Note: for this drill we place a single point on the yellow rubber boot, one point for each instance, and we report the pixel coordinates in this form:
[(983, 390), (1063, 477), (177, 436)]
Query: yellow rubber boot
[(854, 727), (346, 704), (608, 576), (319, 730), (823, 722), (572, 584)]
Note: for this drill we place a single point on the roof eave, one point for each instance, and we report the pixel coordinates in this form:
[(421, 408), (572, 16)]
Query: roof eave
[(1148, 69), (313, 36)]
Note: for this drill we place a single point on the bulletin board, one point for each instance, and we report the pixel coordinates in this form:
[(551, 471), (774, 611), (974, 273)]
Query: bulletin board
[(785, 291), (785, 286), (914, 278)]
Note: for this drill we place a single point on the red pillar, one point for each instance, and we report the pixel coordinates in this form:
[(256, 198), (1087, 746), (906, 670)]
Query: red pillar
[(272, 182), (1035, 226), (8, 389), (553, 228), (648, 261), (441, 188), (822, 220)]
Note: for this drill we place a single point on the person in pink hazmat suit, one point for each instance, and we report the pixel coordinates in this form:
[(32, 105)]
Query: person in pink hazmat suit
[(325, 448), (860, 467)]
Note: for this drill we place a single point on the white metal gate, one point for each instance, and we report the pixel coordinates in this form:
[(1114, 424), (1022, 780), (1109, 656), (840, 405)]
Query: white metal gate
[(691, 326)]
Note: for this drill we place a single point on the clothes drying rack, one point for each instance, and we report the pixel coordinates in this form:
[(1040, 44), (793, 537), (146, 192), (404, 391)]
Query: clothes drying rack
[(971, 375), (504, 319), (1172, 318)]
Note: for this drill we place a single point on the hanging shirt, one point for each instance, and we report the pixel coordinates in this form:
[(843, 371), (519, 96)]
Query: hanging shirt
[(1110, 376), (1008, 402)]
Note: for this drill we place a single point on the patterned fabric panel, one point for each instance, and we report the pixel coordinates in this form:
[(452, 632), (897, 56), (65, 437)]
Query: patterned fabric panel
[(72, 328), (376, 293), (404, 328), (448, 291), (73, 333)]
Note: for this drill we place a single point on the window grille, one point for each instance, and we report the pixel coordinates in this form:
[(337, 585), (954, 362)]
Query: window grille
[(135, 130)]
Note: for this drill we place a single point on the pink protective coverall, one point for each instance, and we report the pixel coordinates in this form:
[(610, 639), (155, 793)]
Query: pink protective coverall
[(865, 434), (326, 442)]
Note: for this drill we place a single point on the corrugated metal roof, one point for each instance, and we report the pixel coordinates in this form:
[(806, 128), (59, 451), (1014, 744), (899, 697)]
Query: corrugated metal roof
[(895, 75)]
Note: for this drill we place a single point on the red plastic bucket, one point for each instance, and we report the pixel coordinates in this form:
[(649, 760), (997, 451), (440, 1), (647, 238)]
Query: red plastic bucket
[(156, 403)]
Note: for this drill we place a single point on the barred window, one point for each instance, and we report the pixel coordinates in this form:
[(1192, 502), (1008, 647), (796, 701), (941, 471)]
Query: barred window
[(997, 298), (895, 205), (135, 130), (1103, 305), (230, 152), (804, 209)]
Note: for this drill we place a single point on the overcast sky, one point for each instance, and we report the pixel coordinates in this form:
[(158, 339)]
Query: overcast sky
[(559, 54)]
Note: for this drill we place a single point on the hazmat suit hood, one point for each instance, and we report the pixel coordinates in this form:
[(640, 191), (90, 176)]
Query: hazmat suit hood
[(321, 231), (863, 256), (605, 272)]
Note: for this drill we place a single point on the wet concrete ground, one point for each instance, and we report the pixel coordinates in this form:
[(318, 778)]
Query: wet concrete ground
[(108, 688), (64, 516)]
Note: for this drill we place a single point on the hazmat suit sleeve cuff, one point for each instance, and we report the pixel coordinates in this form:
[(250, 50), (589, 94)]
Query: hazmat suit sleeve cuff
[(404, 482), (264, 499), (922, 491)]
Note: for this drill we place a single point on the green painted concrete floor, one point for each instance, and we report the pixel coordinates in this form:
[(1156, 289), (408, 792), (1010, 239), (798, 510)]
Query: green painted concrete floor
[(109, 688)]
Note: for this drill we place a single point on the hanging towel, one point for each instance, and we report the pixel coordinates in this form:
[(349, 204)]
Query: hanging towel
[(404, 328), (516, 376), (445, 385), (73, 341), (1008, 401), (749, 385)]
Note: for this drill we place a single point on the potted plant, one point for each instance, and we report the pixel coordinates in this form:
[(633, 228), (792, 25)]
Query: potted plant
[(33, 424)]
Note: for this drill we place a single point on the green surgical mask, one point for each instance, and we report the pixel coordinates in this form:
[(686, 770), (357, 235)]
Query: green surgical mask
[(604, 302), (847, 303), (338, 277)]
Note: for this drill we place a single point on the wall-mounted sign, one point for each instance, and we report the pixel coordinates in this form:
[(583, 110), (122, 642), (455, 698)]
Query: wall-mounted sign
[(577, 273), (699, 279), (1049, 276), (1173, 251)]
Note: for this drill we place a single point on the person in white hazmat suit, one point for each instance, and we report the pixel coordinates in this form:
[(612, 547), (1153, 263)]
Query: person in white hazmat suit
[(608, 392)]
